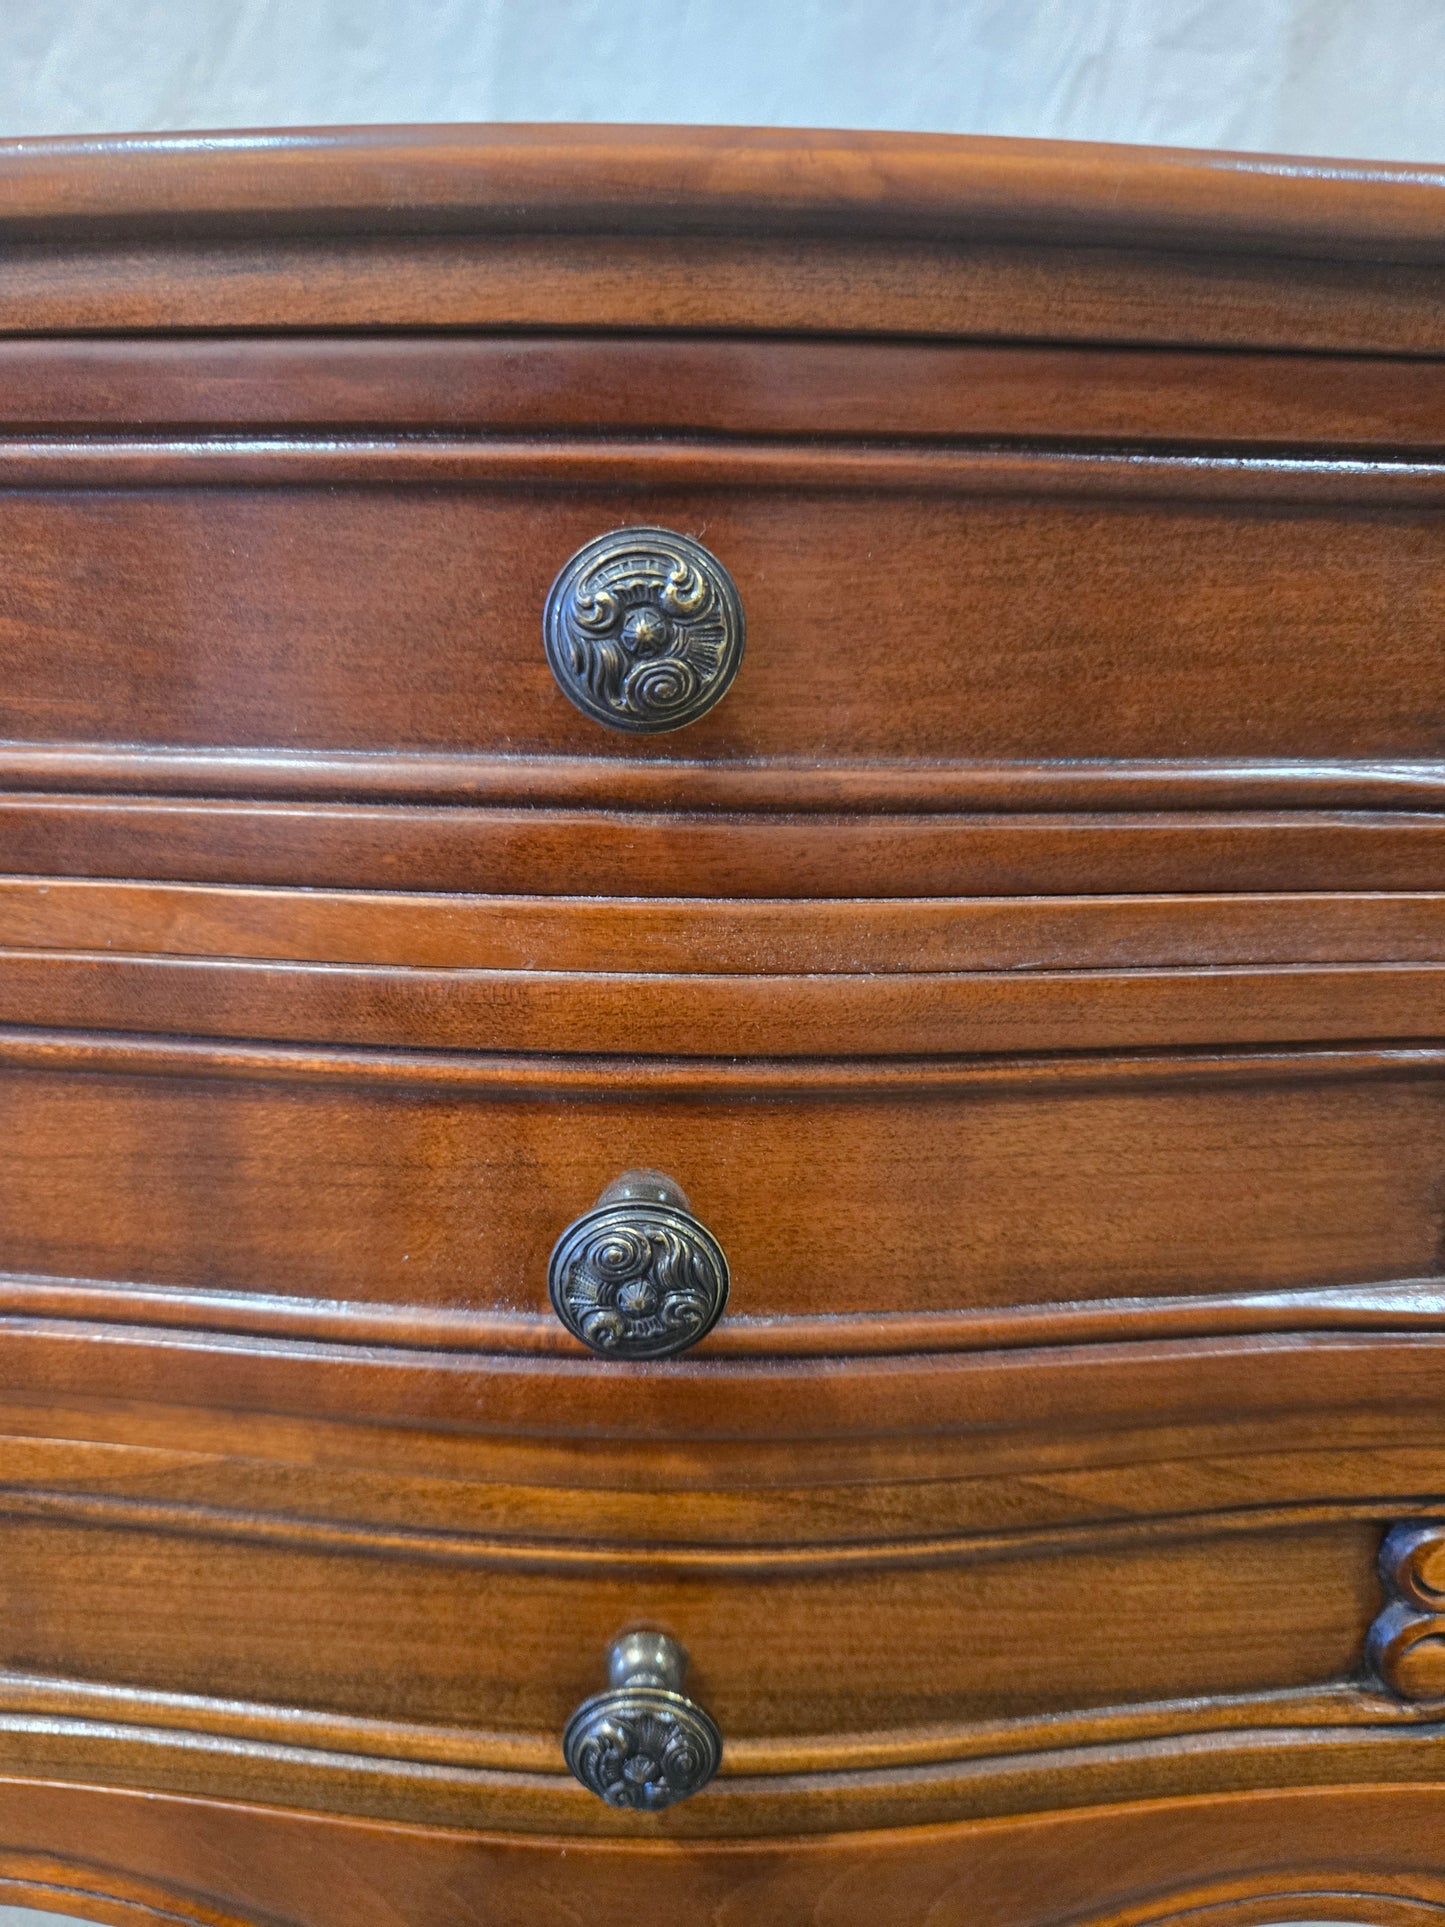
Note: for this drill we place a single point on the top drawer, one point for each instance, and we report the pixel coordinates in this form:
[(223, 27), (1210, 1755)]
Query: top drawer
[(947, 560)]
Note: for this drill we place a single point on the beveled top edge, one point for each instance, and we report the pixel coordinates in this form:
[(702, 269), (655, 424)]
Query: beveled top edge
[(559, 178)]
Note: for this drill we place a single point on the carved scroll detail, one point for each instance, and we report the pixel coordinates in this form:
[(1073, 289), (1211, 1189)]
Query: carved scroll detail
[(1405, 1646)]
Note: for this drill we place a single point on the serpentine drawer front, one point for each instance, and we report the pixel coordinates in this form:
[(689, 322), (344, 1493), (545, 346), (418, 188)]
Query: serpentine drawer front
[(722, 1032)]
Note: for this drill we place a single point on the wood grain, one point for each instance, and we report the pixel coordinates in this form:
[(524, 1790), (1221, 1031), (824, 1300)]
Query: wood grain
[(711, 936), (490, 1643), (699, 385), (718, 229), (988, 290), (442, 1184), (652, 179), (660, 853), (1032, 972), (933, 625), (671, 1014), (1362, 1852), (779, 784)]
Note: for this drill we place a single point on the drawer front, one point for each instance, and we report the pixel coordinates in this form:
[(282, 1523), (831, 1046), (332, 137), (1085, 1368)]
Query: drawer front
[(839, 1193), (509, 1650), (202, 1640), (915, 608)]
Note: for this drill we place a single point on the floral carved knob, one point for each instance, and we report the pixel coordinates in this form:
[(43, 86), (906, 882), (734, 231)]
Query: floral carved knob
[(643, 1743), (638, 1276), (644, 630)]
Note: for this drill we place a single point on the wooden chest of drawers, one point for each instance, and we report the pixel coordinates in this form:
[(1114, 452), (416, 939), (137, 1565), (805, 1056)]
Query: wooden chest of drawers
[(722, 939)]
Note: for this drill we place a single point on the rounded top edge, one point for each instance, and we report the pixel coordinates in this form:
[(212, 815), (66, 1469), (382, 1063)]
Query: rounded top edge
[(759, 181)]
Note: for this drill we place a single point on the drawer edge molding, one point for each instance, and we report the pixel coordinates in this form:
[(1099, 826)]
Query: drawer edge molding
[(1342, 1704), (1373, 1387), (776, 784), (545, 1074), (842, 854), (671, 1013), (431, 461), (104, 1853), (315, 1762), (798, 936), (1393, 1304), (645, 1560)]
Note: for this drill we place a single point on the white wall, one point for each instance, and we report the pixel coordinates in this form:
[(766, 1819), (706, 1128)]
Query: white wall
[(1346, 77)]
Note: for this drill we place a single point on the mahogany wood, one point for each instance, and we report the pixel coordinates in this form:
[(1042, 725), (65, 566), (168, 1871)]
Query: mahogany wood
[(942, 623), (718, 229), (714, 385), (499, 1642), (783, 937), (1031, 971), (1362, 1852), (659, 853), (440, 1183)]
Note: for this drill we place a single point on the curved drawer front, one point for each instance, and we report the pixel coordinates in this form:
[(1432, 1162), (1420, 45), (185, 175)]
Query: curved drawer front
[(438, 1686), (841, 1195), (917, 607)]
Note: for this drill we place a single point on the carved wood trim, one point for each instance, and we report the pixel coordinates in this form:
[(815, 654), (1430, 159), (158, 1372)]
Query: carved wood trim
[(765, 386), (1397, 1304), (641, 1559), (81, 1890), (671, 1012), (1228, 1860), (774, 784), (549, 1076), (258, 461), (1406, 1645), (736, 936), (396, 1771), (1227, 1384), (743, 854)]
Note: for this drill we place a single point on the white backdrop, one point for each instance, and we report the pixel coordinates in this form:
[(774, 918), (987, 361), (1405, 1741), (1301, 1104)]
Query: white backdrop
[(1348, 77)]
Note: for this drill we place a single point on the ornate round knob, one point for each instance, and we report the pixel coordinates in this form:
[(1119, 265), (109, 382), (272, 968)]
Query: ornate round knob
[(643, 1743), (638, 1276), (644, 630)]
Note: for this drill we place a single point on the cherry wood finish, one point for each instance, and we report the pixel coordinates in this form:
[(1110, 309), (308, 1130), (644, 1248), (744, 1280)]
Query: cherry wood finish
[(1364, 1853), (710, 385), (1031, 970), (977, 616), (767, 937), (718, 229), (843, 1192)]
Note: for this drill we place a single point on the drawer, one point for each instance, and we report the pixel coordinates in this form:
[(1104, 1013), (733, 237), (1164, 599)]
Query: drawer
[(849, 1198), (924, 608), (236, 1655)]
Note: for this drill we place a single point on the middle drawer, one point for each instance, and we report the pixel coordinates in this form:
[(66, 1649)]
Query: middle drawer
[(842, 1193)]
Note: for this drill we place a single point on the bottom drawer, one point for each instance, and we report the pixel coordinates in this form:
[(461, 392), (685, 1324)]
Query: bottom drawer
[(862, 1684)]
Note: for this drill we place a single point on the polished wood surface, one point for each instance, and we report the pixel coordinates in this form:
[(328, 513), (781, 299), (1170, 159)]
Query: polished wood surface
[(1362, 1854), (1033, 971), (988, 618), (439, 1183), (721, 229)]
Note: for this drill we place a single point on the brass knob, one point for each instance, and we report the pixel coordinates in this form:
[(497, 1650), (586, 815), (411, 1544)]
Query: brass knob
[(643, 1743), (638, 1276), (644, 630)]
